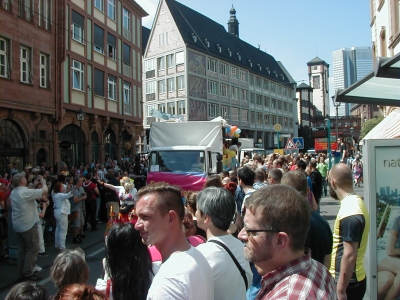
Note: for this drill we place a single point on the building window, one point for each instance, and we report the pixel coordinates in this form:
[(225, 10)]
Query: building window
[(273, 120), (212, 87), (44, 70), (285, 109), (279, 105), (161, 63), (180, 58), (111, 9), (260, 118), (161, 86), (98, 39), (4, 58), (273, 103), (44, 14), (162, 107), (127, 92), (251, 80), (181, 107), (258, 100), (243, 95), (258, 82), (98, 82), (266, 101), (223, 69), (78, 25), (170, 61), (252, 117), (149, 65), (235, 93), (149, 109), (266, 85), (112, 87), (25, 64), (245, 115), (272, 87), (171, 108), (243, 76), (5, 4), (212, 65), (111, 46), (150, 87), (234, 72), (77, 75), (99, 4), (267, 119), (126, 19), (212, 110), (181, 82), (290, 108), (25, 9), (163, 39), (235, 114), (127, 54), (223, 91), (171, 84), (279, 89), (316, 83), (225, 111), (252, 98)]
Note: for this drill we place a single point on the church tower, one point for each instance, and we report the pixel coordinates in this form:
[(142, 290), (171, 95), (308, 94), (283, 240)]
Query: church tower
[(233, 23)]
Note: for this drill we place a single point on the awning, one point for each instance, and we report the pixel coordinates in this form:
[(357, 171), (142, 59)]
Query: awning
[(380, 87), (388, 128)]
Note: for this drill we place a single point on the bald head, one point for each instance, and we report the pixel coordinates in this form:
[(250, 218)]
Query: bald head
[(342, 175)]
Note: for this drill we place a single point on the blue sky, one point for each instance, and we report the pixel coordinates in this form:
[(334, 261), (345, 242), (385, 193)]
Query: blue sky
[(293, 31)]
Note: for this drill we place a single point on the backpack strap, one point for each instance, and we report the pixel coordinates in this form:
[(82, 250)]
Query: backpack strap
[(242, 272)]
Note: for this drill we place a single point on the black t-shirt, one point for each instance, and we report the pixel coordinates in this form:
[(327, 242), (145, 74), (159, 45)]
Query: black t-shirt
[(342, 148), (319, 237)]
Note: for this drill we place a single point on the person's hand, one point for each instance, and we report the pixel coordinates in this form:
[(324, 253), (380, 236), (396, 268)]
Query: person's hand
[(84, 197), (45, 204), (341, 295)]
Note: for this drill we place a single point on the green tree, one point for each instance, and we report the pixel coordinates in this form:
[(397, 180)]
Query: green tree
[(369, 125)]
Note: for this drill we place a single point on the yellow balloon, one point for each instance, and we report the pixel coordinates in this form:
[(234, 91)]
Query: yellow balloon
[(236, 134)]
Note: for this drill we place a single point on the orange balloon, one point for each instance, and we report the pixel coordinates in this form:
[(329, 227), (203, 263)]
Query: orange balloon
[(233, 129)]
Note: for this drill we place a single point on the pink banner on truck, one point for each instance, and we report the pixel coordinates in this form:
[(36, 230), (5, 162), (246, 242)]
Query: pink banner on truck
[(187, 181)]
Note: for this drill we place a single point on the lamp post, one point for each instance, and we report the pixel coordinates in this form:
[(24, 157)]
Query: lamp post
[(352, 141), (328, 126), (336, 105), (80, 115)]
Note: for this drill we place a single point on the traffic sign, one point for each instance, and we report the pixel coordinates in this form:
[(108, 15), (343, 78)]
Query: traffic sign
[(279, 151), (299, 142), (290, 145), (277, 127)]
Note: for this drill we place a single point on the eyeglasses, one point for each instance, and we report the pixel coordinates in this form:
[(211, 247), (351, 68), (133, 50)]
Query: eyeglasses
[(250, 232)]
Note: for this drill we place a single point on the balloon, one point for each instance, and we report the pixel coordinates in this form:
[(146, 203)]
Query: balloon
[(238, 130), (227, 129), (236, 134), (233, 129)]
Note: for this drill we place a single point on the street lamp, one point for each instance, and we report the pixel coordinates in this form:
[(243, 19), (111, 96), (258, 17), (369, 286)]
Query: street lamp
[(328, 126), (352, 141), (336, 105), (80, 115)]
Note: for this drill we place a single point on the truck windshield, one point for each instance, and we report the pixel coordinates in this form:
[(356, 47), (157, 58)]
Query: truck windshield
[(177, 161)]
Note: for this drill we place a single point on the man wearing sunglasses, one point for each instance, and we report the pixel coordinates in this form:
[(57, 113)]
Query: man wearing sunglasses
[(276, 223)]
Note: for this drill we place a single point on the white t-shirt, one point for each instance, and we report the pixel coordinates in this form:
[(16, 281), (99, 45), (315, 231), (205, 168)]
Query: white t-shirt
[(184, 275), (228, 282)]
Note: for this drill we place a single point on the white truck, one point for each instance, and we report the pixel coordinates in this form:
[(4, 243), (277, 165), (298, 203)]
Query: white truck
[(184, 153), (248, 148)]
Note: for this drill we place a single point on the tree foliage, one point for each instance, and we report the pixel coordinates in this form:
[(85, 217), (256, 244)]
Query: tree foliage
[(369, 125)]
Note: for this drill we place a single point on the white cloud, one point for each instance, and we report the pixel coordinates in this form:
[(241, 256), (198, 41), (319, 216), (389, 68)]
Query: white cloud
[(150, 6)]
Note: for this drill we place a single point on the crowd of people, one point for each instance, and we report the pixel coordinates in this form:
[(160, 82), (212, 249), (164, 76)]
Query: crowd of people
[(251, 233)]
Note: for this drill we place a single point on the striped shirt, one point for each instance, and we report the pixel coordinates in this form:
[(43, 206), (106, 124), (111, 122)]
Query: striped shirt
[(302, 278)]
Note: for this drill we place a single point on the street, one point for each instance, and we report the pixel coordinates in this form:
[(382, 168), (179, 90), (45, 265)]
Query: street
[(94, 250)]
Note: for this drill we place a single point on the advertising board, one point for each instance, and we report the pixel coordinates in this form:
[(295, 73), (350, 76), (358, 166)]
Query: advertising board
[(382, 196)]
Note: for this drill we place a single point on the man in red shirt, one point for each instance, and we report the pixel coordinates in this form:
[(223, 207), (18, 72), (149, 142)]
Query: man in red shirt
[(276, 223)]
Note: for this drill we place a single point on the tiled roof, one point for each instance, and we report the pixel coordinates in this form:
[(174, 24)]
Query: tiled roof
[(317, 61), (145, 38), (192, 23), (303, 86)]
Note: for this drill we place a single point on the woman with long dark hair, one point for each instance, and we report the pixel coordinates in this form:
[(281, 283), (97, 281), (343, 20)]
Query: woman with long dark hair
[(128, 264)]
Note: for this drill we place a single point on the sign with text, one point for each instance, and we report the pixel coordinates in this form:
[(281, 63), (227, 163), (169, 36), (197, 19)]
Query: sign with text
[(321, 144)]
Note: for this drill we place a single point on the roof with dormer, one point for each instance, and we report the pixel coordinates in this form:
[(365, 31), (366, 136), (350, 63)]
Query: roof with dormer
[(233, 50)]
